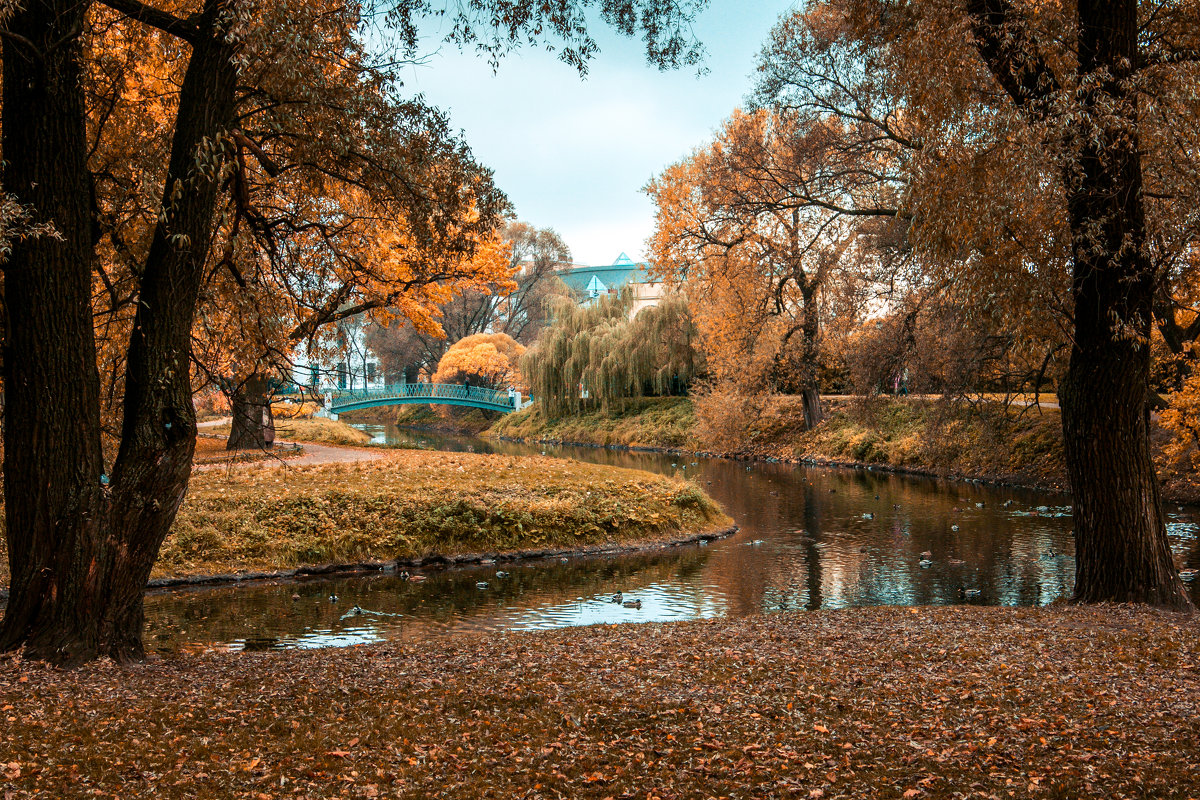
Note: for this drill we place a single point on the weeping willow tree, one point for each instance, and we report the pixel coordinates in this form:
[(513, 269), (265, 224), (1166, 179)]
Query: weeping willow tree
[(597, 355)]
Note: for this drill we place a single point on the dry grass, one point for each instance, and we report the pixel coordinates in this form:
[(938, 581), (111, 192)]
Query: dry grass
[(864, 703), (212, 451), (411, 504), (1017, 445)]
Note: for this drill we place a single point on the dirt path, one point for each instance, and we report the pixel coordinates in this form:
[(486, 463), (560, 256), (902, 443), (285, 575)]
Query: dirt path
[(313, 453), (330, 454)]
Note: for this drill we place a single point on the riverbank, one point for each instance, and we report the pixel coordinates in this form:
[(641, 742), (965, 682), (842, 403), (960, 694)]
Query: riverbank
[(659, 422), (409, 506), (1015, 446), (870, 702)]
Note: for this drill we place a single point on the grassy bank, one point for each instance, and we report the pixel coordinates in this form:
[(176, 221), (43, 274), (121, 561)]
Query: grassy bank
[(648, 422), (412, 504), (882, 703), (1015, 446), (984, 441), (956, 440), (451, 419)]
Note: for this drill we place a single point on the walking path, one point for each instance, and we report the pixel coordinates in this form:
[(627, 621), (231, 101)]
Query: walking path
[(313, 453), (330, 454), (1014, 401)]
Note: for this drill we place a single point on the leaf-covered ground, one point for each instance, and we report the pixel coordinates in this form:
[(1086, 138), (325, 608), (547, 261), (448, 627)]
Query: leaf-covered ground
[(904, 703), (210, 450), (299, 429)]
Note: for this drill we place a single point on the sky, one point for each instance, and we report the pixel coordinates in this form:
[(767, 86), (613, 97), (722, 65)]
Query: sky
[(573, 154)]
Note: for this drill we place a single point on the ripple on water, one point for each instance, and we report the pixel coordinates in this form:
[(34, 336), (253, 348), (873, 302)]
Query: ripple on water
[(801, 546)]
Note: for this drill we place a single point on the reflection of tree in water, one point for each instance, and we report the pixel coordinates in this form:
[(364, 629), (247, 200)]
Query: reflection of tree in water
[(829, 538), (267, 616)]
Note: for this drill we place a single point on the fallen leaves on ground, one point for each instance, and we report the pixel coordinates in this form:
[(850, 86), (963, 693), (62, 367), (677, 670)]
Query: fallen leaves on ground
[(892, 703)]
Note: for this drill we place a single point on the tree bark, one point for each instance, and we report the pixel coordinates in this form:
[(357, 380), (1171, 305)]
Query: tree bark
[(812, 383), (253, 424), (81, 546), (1122, 551), (56, 502)]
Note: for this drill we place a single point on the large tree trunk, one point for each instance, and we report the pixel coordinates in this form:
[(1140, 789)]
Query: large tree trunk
[(253, 424), (81, 554), (1121, 548), (56, 503), (810, 364), (1122, 552)]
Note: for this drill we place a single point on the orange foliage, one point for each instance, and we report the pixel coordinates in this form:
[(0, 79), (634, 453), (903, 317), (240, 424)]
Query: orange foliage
[(342, 199), (485, 359)]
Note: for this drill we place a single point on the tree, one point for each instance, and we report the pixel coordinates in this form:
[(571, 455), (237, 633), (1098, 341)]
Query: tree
[(729, 226), (596, 353), (537, 256), (1022, 167), (82, 537), (483, 360), (1122, 553), (519, 307)]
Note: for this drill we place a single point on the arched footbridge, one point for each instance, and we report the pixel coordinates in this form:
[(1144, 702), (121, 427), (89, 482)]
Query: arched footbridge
[(449, 394)]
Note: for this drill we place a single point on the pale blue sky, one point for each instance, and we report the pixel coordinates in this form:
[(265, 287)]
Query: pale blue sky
[(574, 154)]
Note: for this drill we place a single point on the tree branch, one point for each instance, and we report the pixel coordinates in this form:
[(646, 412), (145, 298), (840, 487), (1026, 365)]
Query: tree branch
[(1169, 56), (1012, 55), (156, 18)]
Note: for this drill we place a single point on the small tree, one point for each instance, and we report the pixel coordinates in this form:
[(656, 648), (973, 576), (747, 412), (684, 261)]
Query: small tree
[(485, 360)]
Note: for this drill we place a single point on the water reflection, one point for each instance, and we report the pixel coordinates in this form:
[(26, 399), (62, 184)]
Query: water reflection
[(810, 538)]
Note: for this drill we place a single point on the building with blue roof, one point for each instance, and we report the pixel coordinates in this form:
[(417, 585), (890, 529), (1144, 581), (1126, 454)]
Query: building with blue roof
[(591, 282)]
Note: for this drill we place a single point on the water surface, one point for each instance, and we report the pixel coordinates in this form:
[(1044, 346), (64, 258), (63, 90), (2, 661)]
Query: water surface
[(810, 538)]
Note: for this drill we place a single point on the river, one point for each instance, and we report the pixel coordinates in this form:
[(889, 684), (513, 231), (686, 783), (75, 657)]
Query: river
[(810, 538)]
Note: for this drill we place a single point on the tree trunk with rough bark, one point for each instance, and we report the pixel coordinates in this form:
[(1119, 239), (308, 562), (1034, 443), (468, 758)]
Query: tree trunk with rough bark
[(811, 392), (1122, 552), (56, 499), (253, 425), (81, 543), (1121, 548)]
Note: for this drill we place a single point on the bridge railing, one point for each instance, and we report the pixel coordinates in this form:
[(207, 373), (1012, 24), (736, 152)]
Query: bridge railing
[(432, 391)]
